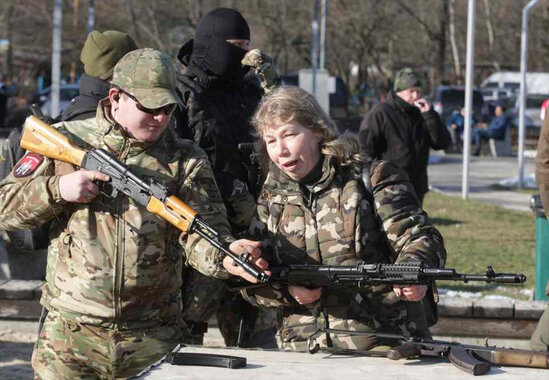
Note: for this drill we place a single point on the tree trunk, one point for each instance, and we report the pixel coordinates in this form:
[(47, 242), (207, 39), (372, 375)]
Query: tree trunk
[(441, 45), (453, 43), (490, 30), (8, 62)]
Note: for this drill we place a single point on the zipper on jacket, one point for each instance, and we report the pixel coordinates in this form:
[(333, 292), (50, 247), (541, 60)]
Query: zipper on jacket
[(119, 245)]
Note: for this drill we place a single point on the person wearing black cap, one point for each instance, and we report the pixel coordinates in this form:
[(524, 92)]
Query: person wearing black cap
[(220, 94), (403, 129)]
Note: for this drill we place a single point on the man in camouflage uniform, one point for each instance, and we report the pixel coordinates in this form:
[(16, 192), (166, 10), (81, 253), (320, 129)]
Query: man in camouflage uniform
[(221, 93), (114, 273)]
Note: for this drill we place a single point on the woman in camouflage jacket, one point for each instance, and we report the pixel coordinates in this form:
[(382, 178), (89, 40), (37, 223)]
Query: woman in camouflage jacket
[(314, 208)]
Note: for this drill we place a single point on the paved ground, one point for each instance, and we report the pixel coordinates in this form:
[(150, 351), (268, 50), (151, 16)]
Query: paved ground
[(446, 176)]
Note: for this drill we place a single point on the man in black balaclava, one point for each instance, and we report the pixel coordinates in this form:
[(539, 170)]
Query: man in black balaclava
[(220, 94)]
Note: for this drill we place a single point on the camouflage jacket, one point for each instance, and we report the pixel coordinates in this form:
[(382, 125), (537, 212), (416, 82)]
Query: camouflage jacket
[(334, 223), (116, 263)]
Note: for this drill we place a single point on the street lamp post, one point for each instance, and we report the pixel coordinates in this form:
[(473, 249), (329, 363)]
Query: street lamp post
[(468, 96), (56, 57), (523, 89)]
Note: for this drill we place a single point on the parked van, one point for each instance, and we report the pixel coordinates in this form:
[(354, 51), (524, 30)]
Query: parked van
[(536, 83)]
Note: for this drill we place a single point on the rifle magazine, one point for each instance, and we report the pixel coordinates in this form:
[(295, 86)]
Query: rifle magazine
[(465, 360)]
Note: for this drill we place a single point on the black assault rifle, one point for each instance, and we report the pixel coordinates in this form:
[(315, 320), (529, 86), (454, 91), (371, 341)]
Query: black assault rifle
[(41, 138), (362, 275), (476, 360)]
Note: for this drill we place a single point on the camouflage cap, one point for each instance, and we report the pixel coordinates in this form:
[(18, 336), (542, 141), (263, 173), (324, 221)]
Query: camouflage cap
[(406, 78), (148, 75)]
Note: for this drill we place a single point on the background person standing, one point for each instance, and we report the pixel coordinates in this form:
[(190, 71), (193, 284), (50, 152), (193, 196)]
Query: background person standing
[(403, 129)]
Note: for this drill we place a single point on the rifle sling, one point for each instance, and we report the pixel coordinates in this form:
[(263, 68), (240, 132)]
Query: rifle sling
[(208, 360)]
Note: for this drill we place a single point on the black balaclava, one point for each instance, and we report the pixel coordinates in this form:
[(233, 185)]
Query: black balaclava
[(211, 51)]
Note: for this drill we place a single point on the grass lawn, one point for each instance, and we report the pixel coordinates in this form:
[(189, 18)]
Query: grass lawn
[(477, 235)]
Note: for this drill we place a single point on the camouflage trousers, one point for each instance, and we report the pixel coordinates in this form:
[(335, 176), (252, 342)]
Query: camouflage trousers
[(205, 297), (540, 337), (297, 328), (69, 350)]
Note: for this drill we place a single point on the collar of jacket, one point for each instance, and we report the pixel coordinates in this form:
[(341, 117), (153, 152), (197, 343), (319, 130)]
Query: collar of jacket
[(401, 104), (114, 136), (280, 183), (93, 86)]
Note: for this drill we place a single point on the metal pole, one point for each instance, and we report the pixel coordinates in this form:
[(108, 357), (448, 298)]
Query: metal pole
[(91, 16), (523, 89), (322, 34), (56, 57), (314, 56), (469, 76)]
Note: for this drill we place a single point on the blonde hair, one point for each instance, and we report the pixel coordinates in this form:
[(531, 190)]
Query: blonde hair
[(290, 103)]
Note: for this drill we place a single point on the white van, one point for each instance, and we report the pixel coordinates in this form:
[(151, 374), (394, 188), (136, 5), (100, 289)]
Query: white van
[(536, 83)]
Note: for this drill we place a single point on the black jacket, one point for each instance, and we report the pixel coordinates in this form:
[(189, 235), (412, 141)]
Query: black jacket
[(217, 116), (399, 132), (83, 107)]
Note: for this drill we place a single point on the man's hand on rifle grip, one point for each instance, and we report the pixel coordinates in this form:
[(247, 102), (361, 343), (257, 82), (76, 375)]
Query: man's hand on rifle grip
[(79, 186), (253, 251)]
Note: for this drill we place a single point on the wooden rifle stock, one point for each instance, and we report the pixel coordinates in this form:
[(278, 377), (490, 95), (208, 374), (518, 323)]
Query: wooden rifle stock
[(41, 138), (520, 358)]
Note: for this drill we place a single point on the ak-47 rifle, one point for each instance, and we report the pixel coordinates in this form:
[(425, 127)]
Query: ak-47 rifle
[(362, 275), (41, 138), (476, 360)]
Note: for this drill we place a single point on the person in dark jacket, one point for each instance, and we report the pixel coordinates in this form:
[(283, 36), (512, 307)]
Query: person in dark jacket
[(495, 130), (100, 53), (403, 129), (220, 94)]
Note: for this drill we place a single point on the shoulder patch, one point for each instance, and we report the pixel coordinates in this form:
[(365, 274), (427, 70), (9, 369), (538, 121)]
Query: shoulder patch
[(27, 165)]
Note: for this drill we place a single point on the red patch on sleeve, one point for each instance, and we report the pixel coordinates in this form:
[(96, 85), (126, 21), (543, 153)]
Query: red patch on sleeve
[(27, 165)]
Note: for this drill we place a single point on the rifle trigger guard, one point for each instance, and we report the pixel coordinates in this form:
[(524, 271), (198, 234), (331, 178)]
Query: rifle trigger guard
[(312, 346)]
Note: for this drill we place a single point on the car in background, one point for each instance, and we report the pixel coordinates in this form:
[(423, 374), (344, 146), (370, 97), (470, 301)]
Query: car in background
[(532, 115), (67, 93), (490, 94), (448, 99)]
